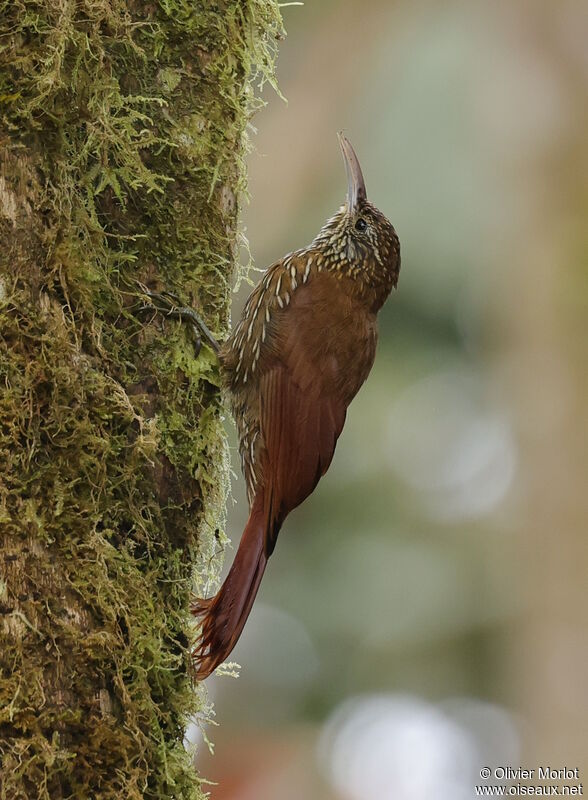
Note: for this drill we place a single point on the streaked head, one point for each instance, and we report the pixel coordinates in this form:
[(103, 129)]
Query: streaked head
[(359, 239)]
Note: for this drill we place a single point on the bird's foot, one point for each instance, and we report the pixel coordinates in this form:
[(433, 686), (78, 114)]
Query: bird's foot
[(169, 304)]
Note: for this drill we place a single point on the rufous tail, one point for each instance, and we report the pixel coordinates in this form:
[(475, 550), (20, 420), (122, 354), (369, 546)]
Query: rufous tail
[(225, 614)]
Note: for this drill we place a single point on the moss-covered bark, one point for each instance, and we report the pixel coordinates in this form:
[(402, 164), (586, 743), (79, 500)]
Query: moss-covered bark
[(122, 138)]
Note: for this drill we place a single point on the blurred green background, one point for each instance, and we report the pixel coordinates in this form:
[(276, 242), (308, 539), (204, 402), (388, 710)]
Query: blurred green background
[(425, 611)]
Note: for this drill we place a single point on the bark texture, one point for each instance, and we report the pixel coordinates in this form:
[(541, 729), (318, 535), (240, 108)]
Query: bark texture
[(122, 139)]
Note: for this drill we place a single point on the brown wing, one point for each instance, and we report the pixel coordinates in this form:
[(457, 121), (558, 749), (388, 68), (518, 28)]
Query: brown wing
[(300, 430), (304, 391)]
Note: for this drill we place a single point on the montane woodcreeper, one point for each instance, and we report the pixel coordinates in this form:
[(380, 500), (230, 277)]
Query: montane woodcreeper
[(303, 347)]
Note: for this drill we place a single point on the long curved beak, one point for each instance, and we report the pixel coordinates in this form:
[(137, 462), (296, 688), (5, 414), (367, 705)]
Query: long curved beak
[(356, 192)]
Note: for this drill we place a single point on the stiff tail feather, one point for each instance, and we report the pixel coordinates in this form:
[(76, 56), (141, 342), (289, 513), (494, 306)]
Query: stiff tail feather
[(225, 614)]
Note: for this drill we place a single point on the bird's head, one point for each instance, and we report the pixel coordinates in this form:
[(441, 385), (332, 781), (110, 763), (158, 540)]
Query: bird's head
[(359, 240)]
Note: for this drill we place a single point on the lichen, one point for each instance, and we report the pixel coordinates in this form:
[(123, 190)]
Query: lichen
[(123, 140)]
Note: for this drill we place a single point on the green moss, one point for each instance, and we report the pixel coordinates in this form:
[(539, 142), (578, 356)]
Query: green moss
[(123, 133)]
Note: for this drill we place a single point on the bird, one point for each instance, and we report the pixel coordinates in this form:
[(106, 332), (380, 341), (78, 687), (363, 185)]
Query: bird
[(303, 347)]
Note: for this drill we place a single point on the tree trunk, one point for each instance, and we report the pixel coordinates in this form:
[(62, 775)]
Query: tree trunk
[(122, 141)]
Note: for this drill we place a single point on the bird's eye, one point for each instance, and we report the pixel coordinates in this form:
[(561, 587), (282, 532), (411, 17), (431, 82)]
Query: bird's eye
[(361, 225)]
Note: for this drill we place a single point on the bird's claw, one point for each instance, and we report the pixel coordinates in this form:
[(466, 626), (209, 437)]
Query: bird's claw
[(169, 304)]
